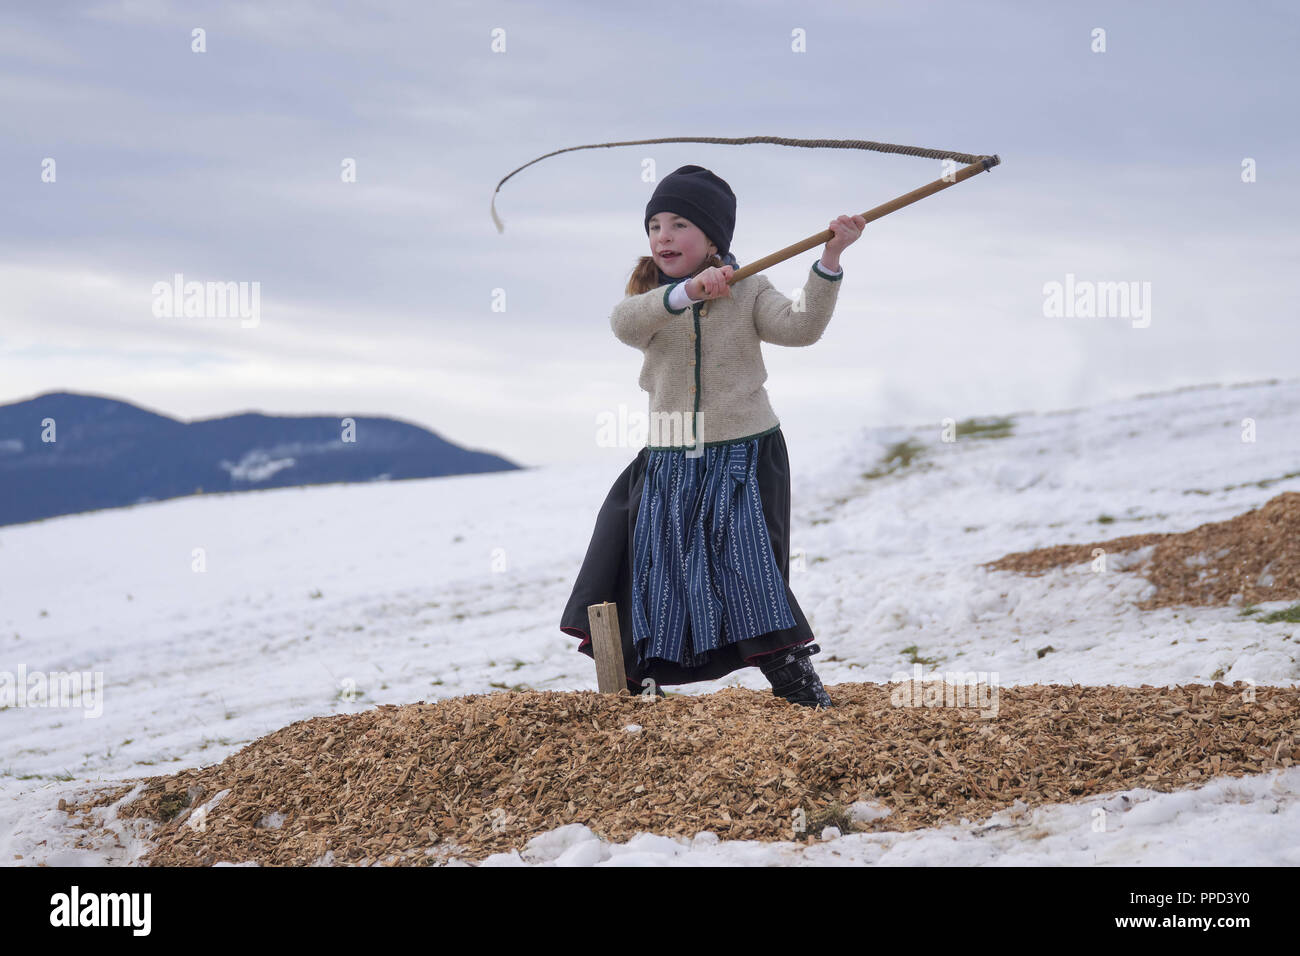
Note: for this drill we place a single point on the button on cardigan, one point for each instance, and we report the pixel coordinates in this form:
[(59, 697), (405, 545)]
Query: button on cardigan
[(703, 365)]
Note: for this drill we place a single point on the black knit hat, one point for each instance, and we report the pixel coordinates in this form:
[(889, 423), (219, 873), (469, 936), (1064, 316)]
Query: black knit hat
[(703, 198)]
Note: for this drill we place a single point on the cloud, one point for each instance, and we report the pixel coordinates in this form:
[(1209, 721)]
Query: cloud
[(225, 166)]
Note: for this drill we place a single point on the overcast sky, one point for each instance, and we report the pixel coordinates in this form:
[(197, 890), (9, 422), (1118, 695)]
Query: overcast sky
[(376, 296)]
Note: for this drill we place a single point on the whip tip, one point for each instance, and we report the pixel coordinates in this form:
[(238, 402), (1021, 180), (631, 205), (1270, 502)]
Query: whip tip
[(501, 226)]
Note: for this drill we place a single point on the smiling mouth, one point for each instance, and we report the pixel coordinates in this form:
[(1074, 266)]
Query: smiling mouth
[(669, 255)]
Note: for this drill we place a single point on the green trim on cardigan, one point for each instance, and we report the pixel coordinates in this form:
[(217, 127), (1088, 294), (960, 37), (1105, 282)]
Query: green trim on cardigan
[(818, 269), (695, 420), (667, 292)]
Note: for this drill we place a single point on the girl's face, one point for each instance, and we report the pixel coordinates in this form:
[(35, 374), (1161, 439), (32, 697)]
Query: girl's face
[(679, 246)]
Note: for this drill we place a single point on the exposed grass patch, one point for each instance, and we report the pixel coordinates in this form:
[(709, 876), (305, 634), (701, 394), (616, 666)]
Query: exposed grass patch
[(63, 777), (896, 457), (1262, 483), (916, 658), (834, 814), (840, 660), (170, 805), (985, 428), (1289, 614)]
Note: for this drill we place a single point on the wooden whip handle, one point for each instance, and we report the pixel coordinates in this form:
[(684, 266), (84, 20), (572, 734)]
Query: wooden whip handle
[(966, 172)]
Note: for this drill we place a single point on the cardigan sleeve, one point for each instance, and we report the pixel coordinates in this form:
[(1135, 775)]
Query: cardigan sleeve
[(637, 318), (679, 298), (776, 319)]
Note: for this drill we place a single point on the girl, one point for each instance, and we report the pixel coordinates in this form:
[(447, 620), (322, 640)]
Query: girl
[(693, 540)]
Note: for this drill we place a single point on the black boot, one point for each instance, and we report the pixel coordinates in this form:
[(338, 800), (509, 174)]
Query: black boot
[(792, 676)]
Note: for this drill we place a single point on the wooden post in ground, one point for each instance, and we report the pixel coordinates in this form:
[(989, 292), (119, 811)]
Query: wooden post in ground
[(607, 645)]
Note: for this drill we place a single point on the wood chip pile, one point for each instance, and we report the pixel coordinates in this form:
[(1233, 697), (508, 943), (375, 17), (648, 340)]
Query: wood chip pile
[(475, 775), (1252, 558)]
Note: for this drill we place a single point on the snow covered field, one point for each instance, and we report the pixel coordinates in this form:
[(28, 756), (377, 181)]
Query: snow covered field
[(333, 599)]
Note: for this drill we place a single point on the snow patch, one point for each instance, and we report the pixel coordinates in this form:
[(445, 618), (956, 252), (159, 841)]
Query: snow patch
[(257, 466), (865, 811)]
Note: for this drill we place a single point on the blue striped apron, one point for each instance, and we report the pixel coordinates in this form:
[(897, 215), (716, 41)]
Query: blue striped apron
[(703, 571)]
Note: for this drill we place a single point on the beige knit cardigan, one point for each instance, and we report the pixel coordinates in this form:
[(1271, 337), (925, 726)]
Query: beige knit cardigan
[(704, 365)]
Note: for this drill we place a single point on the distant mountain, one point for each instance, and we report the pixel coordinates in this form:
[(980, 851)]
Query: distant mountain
[(107, 454)]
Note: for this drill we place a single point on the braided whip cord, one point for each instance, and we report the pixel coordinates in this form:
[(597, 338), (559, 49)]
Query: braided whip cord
[(746, 140)]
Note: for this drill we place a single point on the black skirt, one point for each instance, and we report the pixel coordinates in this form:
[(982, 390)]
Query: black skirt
[(606, 573)]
